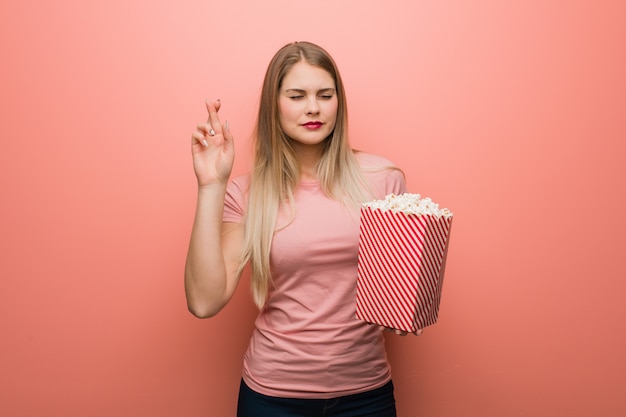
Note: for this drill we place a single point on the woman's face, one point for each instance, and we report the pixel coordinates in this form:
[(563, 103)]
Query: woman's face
[(307, 104)]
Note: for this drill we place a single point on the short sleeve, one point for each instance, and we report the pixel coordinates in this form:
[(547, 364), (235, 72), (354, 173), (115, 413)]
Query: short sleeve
[(395, 182), (235, 200)]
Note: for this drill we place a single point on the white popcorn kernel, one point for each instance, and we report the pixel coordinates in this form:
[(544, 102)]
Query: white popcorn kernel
[(408, 203)]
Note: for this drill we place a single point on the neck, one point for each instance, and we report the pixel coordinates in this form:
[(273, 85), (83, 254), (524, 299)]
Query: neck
[(308, 158)]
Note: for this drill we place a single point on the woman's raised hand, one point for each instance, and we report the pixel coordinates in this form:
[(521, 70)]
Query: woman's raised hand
[(212, 148)]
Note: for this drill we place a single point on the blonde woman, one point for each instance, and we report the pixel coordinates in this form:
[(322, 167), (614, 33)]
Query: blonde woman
[(294, 219)]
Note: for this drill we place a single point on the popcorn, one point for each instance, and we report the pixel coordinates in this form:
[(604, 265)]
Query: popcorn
[(403, 242), (408, 203)]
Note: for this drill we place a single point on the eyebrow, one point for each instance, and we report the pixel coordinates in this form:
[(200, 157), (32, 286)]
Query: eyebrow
[(299, 90)]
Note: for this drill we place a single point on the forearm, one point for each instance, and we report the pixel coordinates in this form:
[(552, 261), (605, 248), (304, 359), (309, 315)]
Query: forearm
[(206, 277)]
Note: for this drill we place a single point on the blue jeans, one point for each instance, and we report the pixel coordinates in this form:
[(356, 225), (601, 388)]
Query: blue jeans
[(379, 402)]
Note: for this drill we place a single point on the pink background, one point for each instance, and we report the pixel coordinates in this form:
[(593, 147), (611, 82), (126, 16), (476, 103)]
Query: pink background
[(511, 113)]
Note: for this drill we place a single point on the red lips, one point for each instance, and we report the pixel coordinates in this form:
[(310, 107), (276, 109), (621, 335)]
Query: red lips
[(313, 125)]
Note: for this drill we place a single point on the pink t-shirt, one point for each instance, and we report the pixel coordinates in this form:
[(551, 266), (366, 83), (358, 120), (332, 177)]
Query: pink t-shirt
[(307, 342)]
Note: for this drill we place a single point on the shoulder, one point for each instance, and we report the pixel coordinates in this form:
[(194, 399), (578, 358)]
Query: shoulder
[(369, 160), (384, 176), (240, 182)]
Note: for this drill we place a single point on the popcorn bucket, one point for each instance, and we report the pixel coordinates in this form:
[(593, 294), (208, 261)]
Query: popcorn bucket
[(401, 264)]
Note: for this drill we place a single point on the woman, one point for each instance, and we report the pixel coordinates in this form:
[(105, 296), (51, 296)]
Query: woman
[(294, 219)]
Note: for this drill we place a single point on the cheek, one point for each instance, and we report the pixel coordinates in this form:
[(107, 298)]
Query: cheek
[(332, 109), (285, 110)]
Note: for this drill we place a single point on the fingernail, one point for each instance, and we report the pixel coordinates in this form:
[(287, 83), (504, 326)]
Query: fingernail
[(205, 143), (227, 126)]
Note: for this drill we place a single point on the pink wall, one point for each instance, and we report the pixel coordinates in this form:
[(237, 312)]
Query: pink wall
[(510, 113)]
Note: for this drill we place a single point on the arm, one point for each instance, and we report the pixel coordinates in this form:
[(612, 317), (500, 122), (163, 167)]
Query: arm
[(212, 259)]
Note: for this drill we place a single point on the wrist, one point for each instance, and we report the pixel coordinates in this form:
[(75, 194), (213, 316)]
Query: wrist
[(214, 187)]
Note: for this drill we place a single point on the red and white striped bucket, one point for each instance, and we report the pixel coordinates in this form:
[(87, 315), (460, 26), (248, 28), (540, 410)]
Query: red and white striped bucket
[(400, 269)]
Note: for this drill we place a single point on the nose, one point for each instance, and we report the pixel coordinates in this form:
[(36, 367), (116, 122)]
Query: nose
[(313, 107)]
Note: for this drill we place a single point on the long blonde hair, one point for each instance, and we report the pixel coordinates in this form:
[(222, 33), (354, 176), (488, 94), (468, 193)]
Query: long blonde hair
[(276, 170)]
